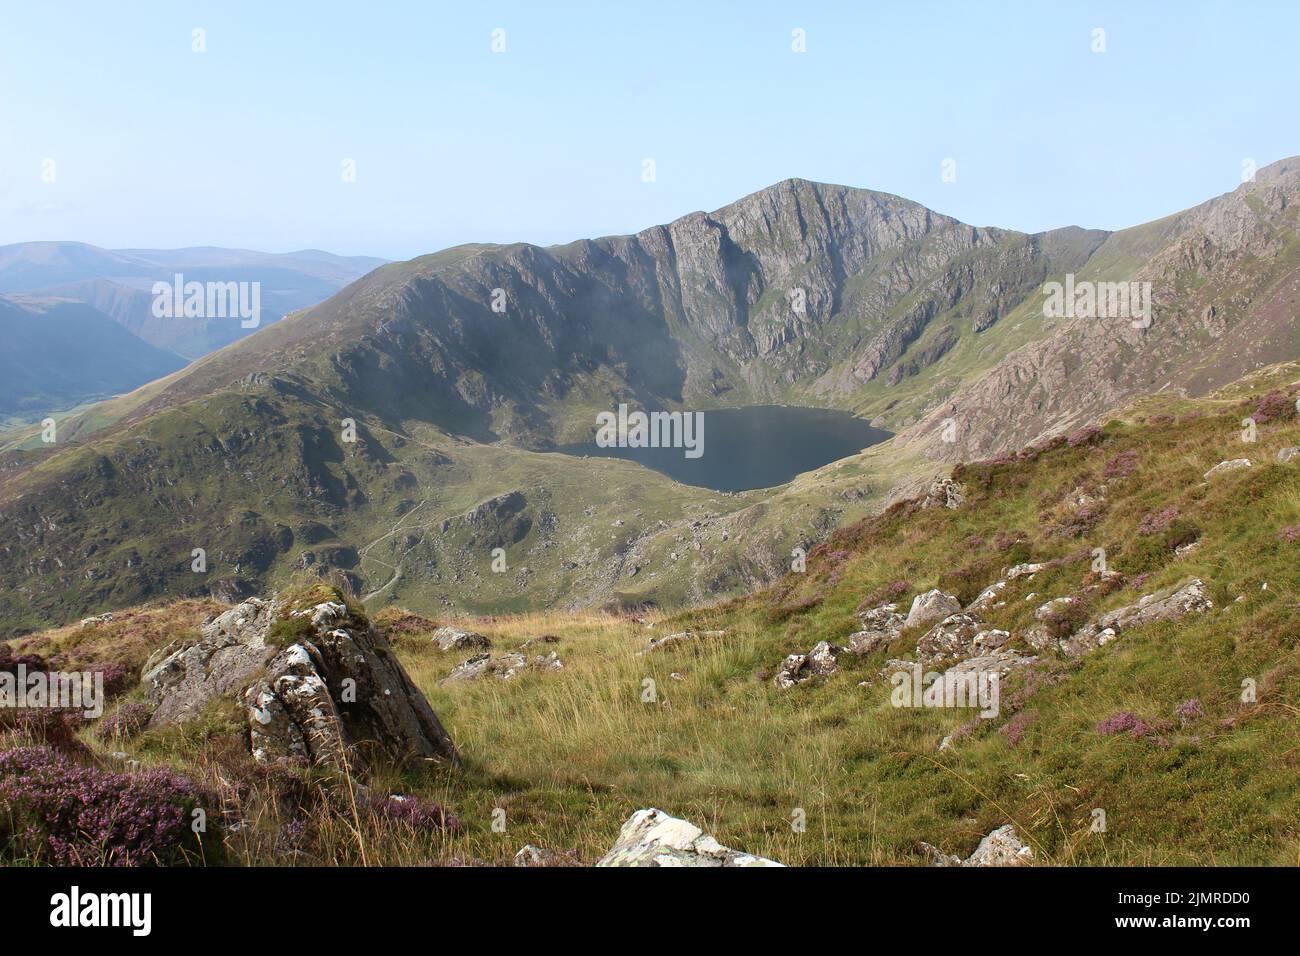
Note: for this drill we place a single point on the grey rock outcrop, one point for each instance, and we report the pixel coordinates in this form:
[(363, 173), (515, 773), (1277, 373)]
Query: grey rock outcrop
[(503, 666), (1002, 847), (1168, 604), (1222, 467), (336, 696), (944, 493), (821, 661), (653, 838), (339, 696), (448, 638), (930, 607), (880, 626)]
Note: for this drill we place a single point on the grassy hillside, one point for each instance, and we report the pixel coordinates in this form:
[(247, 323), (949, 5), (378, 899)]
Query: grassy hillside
[(1196, 775)]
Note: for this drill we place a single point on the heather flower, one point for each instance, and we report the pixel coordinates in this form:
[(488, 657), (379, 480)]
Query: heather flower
[(1290, 534), (60, 812), (1157, 521), (1014, 729), (411, 811), (1119, 723), (117, 679), (1084, 436), (1189, 710), (127, 721), (1271, 406), (1122, 465)]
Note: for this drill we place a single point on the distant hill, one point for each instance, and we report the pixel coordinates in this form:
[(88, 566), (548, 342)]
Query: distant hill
[(118, 284), (59, 352)]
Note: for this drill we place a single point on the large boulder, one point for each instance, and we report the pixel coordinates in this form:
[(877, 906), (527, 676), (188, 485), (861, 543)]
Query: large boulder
[(958, 635), (653, 838), (931, 607), (318, 683)]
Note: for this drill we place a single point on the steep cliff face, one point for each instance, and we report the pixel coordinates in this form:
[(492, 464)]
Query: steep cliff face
[(1224, 279), (799, 292)]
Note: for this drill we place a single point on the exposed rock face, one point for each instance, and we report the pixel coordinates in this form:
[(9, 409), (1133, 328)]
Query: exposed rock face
[(930, 607), (1002, 847), (231, 653), (336, 696), (1215, 278), (1233, 464), (944, 493), (503, 666), (880, 626), (457, 639), (821, 661), (1168, 604), (653, 838), (1285, 455)]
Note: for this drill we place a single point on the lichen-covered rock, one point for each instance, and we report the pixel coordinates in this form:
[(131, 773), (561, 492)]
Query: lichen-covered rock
[(530, 855), (1001, 661), (1222, 467), (880, 626), (1002, 847), (988, 598), (337, 696), (1168, 604), (951, 637), (944, 493), (653, 838), (1024, 571), (231, 652), (503, 666), (931, 607), (450, 638), (821, 661), (1285, 455)]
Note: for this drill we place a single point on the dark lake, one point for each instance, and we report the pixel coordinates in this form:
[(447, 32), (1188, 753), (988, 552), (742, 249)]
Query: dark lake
[(753, 447)]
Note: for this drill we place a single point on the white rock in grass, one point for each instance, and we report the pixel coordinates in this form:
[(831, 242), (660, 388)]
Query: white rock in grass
[(653, 838)]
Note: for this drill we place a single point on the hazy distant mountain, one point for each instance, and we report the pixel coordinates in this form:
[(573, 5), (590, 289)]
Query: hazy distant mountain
[(59, 353), (459, 367), (118, 283)]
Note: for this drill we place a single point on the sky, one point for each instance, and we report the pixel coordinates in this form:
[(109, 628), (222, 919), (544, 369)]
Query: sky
[(115, 130)]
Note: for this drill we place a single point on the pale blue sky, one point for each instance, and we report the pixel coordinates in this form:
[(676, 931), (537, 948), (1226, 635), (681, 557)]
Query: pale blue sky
[(155, 145)]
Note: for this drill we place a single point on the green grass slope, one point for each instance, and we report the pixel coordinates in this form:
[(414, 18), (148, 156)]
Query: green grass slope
[(700, 731)]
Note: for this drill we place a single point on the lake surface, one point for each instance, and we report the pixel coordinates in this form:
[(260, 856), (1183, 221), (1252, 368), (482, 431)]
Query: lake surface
[(753, 447)]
